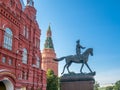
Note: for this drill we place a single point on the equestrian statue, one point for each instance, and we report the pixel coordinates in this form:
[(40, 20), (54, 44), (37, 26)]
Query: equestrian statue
[(78, 58)]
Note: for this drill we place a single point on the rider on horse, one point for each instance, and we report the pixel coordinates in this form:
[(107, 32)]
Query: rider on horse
[(78, 48), (78, 58)]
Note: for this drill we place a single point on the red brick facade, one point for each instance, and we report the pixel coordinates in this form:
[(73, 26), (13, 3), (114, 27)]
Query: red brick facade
[(48, 54), (47, 61), (20, 56)]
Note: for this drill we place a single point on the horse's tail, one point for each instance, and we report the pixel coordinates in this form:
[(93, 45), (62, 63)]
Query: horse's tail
[(59, 59)]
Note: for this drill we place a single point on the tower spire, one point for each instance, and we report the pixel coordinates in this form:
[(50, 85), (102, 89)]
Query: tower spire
[(48, 42), (48, 53), (49, 33)]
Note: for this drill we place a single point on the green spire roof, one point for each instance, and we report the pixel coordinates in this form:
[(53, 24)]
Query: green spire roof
[(48, 42), (49, 33)]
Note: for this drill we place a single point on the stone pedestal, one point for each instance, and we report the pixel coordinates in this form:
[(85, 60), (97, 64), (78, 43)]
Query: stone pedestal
[(77, 82)]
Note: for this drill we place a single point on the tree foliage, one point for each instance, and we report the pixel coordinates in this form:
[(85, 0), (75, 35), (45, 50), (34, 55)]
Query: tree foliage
[(52, 80), (109, 88), (117, 85), (96, 86)]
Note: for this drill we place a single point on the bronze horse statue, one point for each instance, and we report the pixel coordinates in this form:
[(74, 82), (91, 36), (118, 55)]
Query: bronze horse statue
[(82, 58)]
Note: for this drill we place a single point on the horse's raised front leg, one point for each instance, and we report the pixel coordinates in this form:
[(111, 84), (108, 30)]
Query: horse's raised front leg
[(81, 67), (64, 68), (88, 67)]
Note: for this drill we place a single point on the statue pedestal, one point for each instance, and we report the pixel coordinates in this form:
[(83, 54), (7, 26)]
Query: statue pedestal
[(77, 82)]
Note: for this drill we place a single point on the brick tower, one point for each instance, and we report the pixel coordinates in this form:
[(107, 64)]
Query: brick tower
[(49, 53)]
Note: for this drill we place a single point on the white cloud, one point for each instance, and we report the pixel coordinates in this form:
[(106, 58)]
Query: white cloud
[(108, 77)]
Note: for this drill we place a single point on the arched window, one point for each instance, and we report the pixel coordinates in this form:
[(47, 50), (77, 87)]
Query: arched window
[(8, 39), (37, 61), (24, 57)]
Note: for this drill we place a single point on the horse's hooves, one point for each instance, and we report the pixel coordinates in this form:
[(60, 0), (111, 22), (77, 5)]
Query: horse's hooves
[(81, 72)]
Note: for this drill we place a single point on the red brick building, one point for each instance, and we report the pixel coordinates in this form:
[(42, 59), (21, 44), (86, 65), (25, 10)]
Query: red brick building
[(20, 56), (48, 54)]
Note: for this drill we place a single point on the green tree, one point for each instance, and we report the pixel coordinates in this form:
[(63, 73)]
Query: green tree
[(52, 80), (109, 88), (96, 86), (117, 85)]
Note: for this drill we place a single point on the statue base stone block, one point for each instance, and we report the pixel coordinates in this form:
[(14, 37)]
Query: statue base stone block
[(77, 82)]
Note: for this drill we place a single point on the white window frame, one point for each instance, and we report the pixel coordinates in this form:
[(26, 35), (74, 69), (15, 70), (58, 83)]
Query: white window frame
[(8, 39), (24, 56)]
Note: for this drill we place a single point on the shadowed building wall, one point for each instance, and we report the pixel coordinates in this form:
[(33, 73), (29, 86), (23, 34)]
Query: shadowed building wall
[(77, 82)]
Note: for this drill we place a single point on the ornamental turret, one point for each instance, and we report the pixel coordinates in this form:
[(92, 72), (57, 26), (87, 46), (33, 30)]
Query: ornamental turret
[(30, 10), (30, 3)]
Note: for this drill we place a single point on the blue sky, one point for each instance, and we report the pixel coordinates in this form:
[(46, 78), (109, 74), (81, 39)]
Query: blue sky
[(95, 22)]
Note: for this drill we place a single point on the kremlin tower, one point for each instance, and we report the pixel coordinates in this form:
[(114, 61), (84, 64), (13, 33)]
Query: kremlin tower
[(49, 53)]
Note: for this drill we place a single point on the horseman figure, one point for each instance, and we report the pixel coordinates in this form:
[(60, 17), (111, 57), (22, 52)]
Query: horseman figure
[(78, 58), (78, 48)]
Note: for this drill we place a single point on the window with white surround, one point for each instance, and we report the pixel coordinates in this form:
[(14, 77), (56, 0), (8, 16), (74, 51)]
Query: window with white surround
[(26, 32), (24, 56), (8, 39), (3, 59), (10, 61), (37, 61), (37, 43)]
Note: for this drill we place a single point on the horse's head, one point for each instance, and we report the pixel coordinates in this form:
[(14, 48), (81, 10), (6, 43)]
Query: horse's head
[(90, 50)]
